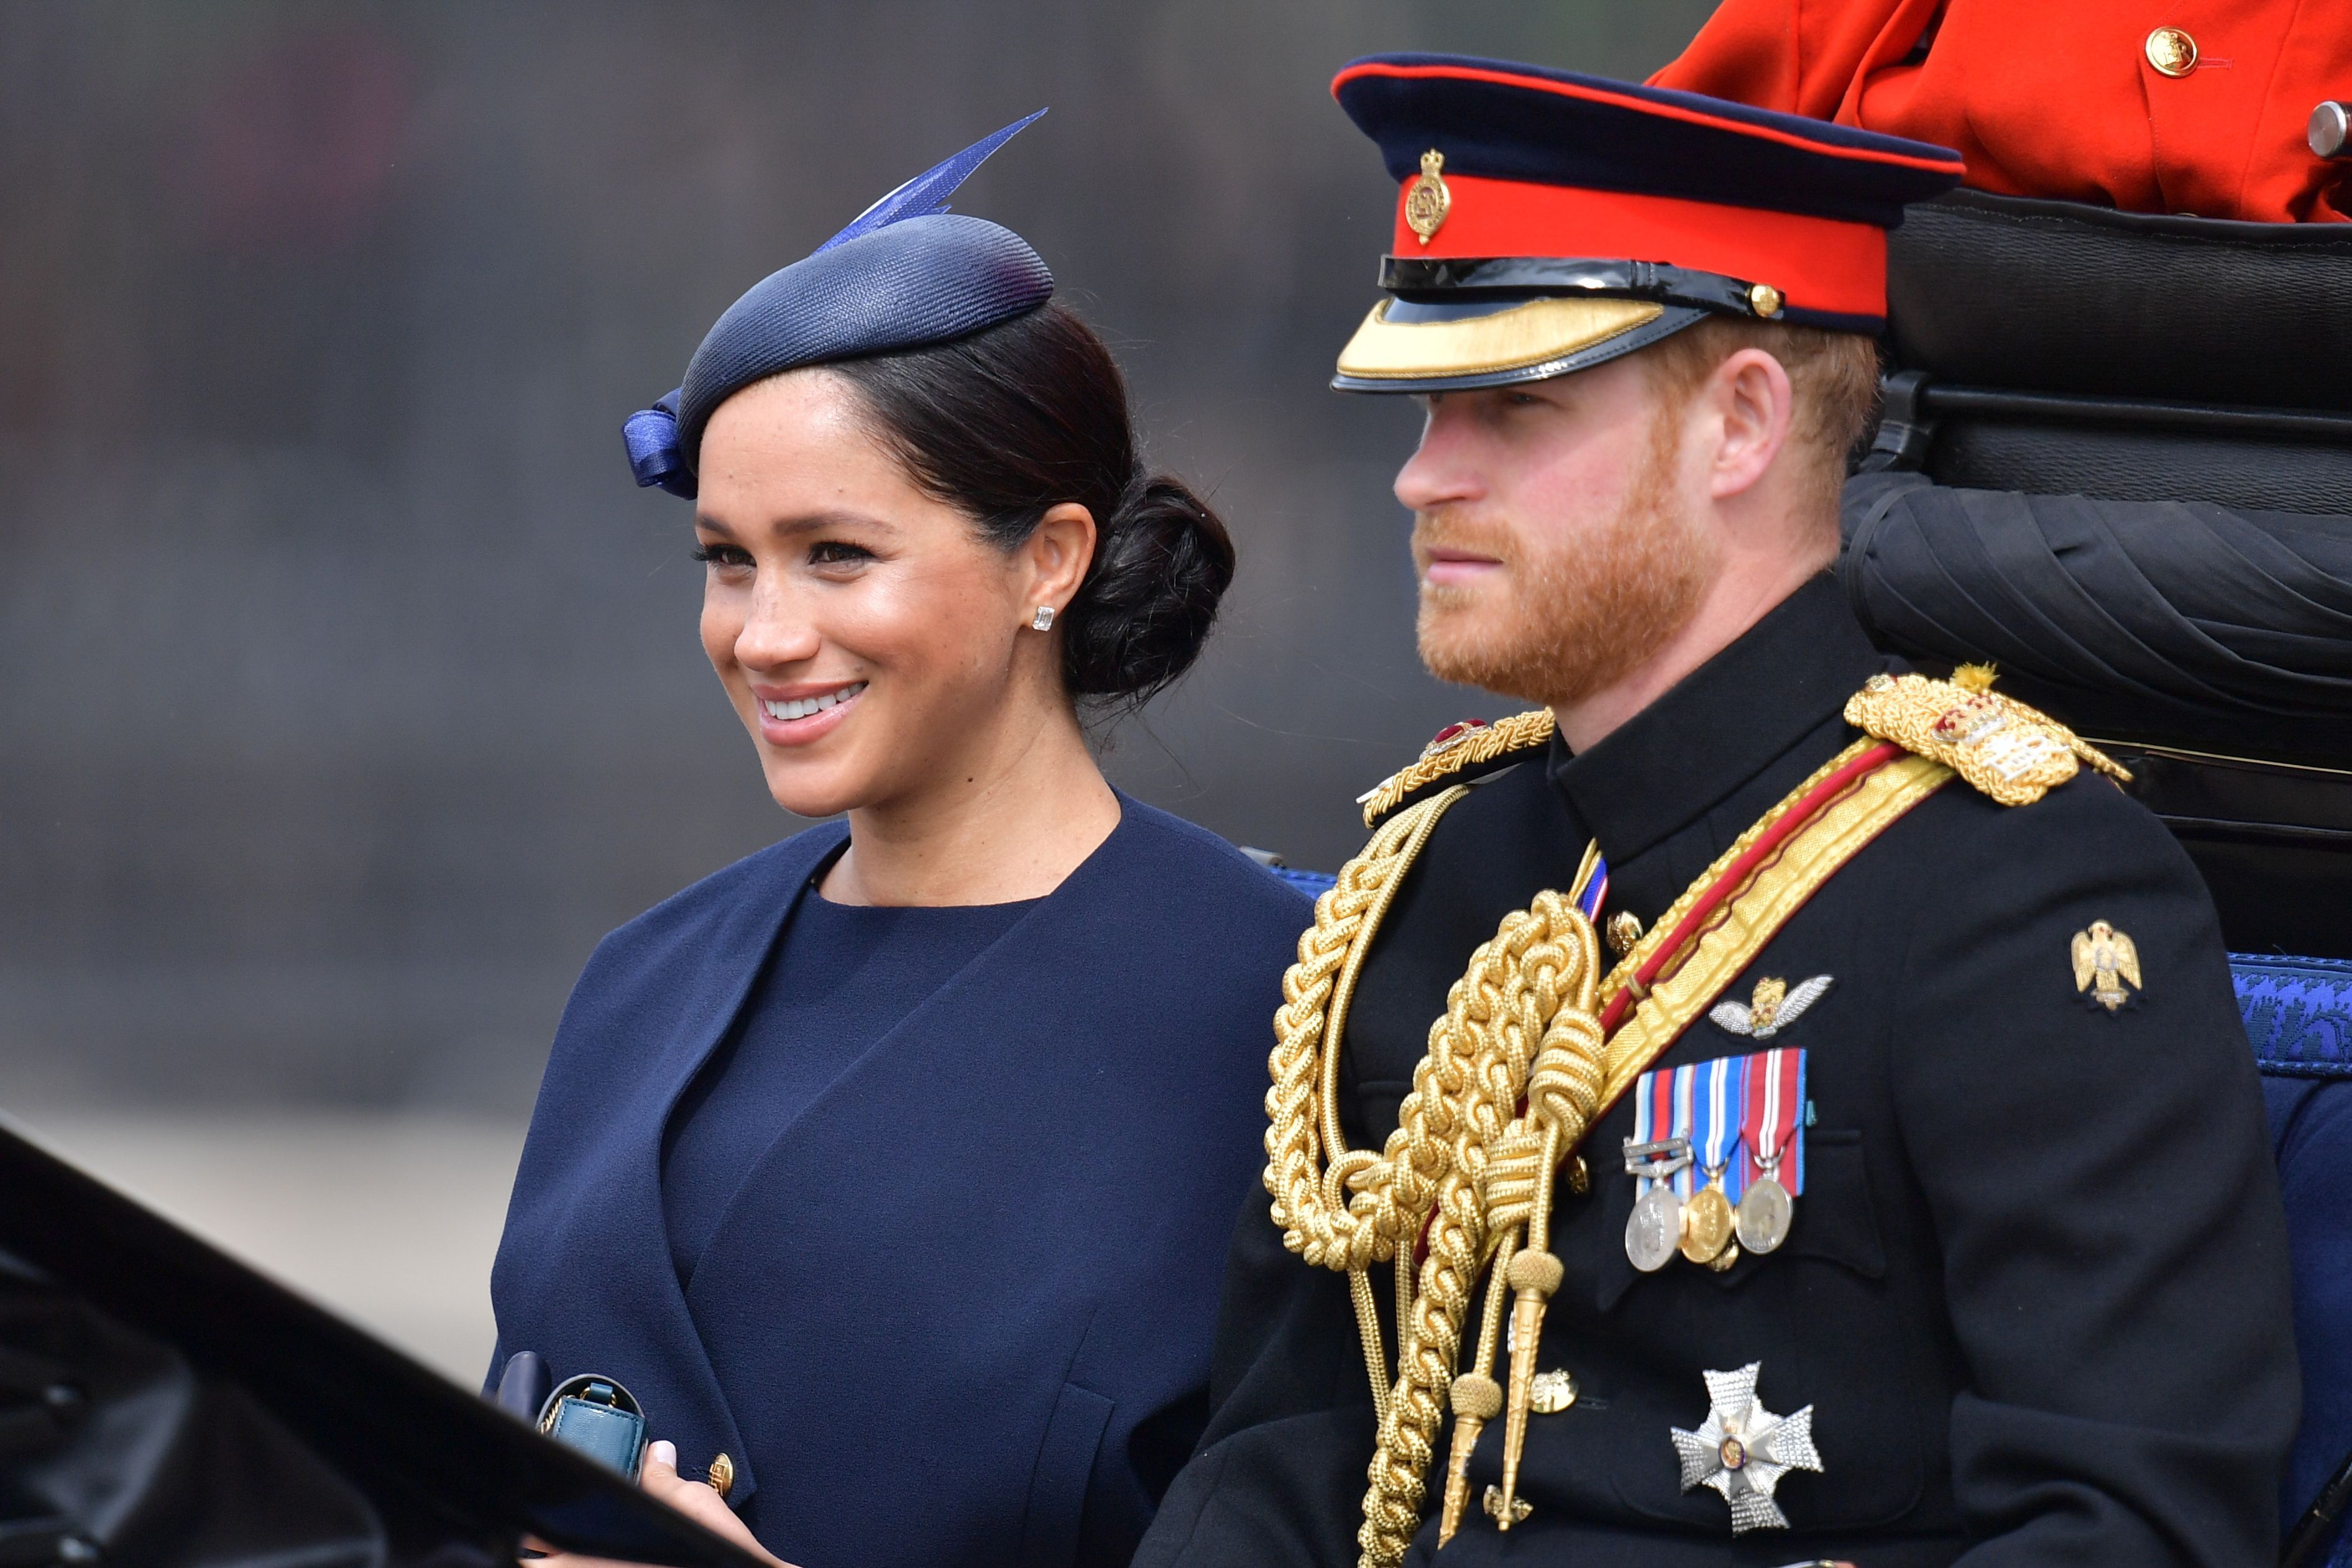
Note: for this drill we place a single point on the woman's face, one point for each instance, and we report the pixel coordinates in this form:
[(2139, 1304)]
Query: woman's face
[(866, 632)]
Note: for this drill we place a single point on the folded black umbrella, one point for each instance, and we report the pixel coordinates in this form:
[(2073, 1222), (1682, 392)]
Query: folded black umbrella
[(2178, 620)]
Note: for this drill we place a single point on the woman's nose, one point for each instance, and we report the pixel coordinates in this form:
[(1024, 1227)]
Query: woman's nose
[(778, 632)]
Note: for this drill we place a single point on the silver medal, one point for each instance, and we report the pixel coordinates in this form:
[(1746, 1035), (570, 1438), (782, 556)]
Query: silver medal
[(1653, 1232), (1765, 1211)]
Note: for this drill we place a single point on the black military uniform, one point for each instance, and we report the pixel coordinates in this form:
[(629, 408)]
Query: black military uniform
[(2033, 1298), (2035, 1288)]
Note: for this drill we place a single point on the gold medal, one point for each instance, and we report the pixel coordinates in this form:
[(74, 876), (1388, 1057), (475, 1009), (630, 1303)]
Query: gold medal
[(1707, 1225)]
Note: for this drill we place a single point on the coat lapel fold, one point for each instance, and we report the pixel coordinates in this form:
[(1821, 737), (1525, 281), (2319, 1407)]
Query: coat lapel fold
[(584, 1275)]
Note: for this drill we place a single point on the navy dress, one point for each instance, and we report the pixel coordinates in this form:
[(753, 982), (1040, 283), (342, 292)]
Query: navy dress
[(917, 1215)]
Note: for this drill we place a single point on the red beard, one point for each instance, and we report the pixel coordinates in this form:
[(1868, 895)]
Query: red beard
[(1573, 612)]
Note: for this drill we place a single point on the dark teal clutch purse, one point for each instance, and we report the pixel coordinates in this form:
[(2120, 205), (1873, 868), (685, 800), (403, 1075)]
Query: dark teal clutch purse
[(597, 1416), (590, 1413)]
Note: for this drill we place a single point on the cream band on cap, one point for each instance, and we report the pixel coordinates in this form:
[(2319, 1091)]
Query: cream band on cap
[(1518, 337)]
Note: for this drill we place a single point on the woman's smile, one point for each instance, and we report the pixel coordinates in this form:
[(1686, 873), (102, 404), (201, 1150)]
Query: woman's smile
[(797, 714)]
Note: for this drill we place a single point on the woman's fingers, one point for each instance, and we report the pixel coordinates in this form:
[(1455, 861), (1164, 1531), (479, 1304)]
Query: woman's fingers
[(699, 1501), (696, 1500)]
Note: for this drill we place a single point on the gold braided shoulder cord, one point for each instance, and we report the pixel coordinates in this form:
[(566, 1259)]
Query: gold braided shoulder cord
[(1523, 1005), (1353, 1231)]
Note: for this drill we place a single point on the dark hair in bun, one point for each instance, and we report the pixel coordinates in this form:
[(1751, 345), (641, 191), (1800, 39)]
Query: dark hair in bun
[(1011, 421)]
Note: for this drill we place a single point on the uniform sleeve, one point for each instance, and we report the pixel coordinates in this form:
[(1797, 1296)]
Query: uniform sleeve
[(1791, 58), (1278, 1480), (2102, 1193)]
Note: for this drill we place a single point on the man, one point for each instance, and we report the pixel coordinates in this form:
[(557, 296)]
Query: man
[(1900, 1193)]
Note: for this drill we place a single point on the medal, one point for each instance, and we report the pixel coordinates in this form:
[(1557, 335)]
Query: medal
[(1712, 1104), (1718, 1149), (1764, 1215), (1654, 1229), (1742, 1449), (1707, 1225), (1772, 1132)]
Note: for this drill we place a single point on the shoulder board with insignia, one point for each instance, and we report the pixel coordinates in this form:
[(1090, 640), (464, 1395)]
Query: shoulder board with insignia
[(1459, 748), (2005, 749)]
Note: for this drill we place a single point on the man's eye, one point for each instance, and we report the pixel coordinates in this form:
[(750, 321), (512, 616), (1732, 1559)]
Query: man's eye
[(1523, 399), (835, 552)]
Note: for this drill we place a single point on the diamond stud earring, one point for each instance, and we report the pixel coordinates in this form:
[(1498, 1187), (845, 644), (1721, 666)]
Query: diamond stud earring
[(1044, 620)]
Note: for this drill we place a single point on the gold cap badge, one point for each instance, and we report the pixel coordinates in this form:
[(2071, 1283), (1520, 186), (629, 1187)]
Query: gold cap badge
[(1428, 200)]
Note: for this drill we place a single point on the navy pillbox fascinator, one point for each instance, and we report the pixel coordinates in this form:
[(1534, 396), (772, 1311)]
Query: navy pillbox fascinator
[(904, 273)]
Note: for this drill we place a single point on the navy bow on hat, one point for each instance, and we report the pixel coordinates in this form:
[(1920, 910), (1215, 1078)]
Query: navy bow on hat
[(905, 273)]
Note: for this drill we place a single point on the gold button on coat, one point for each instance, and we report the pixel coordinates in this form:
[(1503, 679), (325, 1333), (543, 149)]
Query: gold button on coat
[(2171, 51), (722, 1475)]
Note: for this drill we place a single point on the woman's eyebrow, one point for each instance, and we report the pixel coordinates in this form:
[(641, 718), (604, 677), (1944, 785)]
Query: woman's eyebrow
[(813, 522)]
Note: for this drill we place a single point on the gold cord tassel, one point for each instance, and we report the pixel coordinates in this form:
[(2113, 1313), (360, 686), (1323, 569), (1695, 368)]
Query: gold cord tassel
[(1477, 1399), (1563, 1097), (1534, 1274)]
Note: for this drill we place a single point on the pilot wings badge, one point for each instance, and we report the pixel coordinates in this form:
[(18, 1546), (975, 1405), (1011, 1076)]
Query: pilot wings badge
[(2106, 961), (1775, 1007)]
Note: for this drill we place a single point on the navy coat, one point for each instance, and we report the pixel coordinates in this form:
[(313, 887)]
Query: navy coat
[(960, 1313)]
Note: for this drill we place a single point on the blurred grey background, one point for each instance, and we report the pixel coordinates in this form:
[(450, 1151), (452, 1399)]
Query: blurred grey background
[(352, 691)]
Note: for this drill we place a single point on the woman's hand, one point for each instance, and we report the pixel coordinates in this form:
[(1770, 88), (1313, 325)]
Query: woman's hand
[(696, 1500)]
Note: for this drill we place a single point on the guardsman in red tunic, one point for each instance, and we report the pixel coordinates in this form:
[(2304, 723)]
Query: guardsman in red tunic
[(2216, 109), (1765, 1105)]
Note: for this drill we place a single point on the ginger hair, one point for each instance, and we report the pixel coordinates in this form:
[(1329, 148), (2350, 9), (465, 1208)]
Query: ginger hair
[(1834, 375)]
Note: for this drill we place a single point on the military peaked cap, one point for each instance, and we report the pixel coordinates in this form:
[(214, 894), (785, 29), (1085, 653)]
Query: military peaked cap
[(1548, 221)]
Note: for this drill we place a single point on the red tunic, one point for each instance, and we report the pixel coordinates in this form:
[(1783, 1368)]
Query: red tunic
[(2062, 97)]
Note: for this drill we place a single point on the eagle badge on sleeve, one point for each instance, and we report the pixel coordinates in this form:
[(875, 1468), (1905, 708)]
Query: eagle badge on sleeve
[(2106, 961)]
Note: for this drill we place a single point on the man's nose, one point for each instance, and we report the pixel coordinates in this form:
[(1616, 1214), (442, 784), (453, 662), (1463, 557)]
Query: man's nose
[(1441, 470)]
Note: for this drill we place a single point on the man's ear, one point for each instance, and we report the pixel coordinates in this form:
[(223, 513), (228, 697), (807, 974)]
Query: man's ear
[(1058, 552), (1752, 406)]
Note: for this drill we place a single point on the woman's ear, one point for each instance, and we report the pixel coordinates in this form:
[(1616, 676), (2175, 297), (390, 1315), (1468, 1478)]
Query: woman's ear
[(1752, 404), (1058, 552)]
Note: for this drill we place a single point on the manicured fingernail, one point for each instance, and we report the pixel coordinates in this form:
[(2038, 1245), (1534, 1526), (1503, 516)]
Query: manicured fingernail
[(663, 1453)]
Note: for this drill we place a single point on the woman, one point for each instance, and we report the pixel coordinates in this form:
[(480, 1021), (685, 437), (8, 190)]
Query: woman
[(896, 1163)]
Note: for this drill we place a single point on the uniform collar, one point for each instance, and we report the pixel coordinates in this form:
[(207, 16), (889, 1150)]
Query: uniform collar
[(1721, 725)]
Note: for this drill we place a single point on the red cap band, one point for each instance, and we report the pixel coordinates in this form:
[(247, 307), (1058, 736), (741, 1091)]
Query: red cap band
[(1819, 265)]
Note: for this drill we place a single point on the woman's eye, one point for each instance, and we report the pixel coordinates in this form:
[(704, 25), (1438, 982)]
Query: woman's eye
[(837, 552), (723, 554)]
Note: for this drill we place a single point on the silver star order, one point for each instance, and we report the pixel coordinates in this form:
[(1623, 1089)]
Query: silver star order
[(1742, 1449)]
